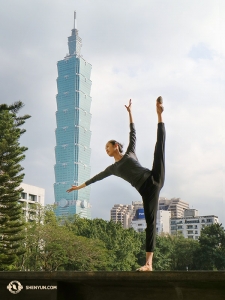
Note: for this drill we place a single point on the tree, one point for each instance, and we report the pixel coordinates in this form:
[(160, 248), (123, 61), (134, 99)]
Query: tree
[(51, 246), (11, 154), (183, 253), (122, 244), (211, 255), (163, 252)]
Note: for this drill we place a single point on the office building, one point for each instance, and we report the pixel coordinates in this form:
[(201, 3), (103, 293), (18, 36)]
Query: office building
[(163, 222), (31, 198), (190, 225), (175, 205), (122, 213), (73, 118), (133, 216)]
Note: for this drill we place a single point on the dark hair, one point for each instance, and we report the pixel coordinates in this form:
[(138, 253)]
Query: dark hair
[(113, 142)]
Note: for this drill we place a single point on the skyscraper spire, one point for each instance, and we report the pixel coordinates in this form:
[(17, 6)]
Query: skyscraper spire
[(75, 21), (74, 41)]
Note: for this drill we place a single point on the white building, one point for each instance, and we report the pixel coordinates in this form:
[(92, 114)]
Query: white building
[(133, 216), (30, 197), (121, 213), (125, 213), (162, 222), (191, 224), (138, 225)]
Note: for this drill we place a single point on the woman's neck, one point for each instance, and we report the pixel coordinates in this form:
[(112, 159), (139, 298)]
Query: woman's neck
[(118, 156)]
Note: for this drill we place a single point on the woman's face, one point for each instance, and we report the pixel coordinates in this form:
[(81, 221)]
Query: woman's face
[(110, 148)]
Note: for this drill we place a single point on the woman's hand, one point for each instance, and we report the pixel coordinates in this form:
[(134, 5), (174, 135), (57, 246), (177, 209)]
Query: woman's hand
[(129, 106), (73, 188)]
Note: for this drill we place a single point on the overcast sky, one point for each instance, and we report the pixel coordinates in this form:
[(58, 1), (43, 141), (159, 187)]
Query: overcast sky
[(138, 49)]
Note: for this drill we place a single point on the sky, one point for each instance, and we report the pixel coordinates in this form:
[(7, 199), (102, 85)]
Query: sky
[(138, 49)]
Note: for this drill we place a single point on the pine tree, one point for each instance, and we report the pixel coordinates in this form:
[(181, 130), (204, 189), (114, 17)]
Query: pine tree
[(11, 154)]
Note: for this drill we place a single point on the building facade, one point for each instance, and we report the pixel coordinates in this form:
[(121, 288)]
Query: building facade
[(175, 205), (191, 224), (132, 216), (122, 213), (31, 198), (163, 222), (73, 118)]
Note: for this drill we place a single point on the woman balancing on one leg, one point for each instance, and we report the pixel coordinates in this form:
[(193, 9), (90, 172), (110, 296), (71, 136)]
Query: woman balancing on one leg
[(147, 182)]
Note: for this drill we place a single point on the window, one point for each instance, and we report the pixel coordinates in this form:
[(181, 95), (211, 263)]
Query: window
[(32, 197), (209, 220), (189, 226), (190, 232), (23, 195)]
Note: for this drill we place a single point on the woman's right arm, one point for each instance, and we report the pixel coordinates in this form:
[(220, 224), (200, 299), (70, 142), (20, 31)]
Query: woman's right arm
[(107, 172)]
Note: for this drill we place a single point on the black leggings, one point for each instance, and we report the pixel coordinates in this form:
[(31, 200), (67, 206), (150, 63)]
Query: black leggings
[(151, 188)]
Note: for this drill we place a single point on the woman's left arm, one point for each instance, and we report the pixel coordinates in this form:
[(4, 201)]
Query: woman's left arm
[(132, 140), (128, 107)]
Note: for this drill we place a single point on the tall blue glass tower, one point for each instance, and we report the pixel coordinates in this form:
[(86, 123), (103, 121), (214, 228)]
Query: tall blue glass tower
[(73, 118)]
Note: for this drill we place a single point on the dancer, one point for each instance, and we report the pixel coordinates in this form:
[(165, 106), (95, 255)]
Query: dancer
[(147, 182)]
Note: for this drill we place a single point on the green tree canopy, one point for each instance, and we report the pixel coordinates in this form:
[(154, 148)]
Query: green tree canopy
[(123, 244), (51, 246), (211, 255)]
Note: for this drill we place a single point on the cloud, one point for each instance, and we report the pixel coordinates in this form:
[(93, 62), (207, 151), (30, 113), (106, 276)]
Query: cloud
[(200, 51)]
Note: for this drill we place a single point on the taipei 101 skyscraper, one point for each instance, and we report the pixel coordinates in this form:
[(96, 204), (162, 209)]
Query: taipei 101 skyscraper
[(73, 118)]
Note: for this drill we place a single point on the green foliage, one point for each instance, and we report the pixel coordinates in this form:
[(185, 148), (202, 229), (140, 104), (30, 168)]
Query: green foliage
[(211, 255), (183, 253), (74, 243), (123, 244), (162, 255), (11, 154), (51, 246)]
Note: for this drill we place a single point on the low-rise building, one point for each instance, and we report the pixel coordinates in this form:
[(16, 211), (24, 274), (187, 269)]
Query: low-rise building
[(162, 221), (31, 198), (138, 222)]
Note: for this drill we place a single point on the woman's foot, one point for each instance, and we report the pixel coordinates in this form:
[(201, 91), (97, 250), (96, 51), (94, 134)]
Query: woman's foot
[(159, 105), (160, 100), (145, 268)]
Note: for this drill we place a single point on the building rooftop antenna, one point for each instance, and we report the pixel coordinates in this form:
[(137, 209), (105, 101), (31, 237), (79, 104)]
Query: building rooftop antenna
[(75, 23)]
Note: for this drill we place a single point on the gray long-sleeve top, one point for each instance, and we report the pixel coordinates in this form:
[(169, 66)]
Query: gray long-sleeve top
[(128, 167)]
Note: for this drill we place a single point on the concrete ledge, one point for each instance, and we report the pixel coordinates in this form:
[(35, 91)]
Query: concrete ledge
[(192, 285)]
